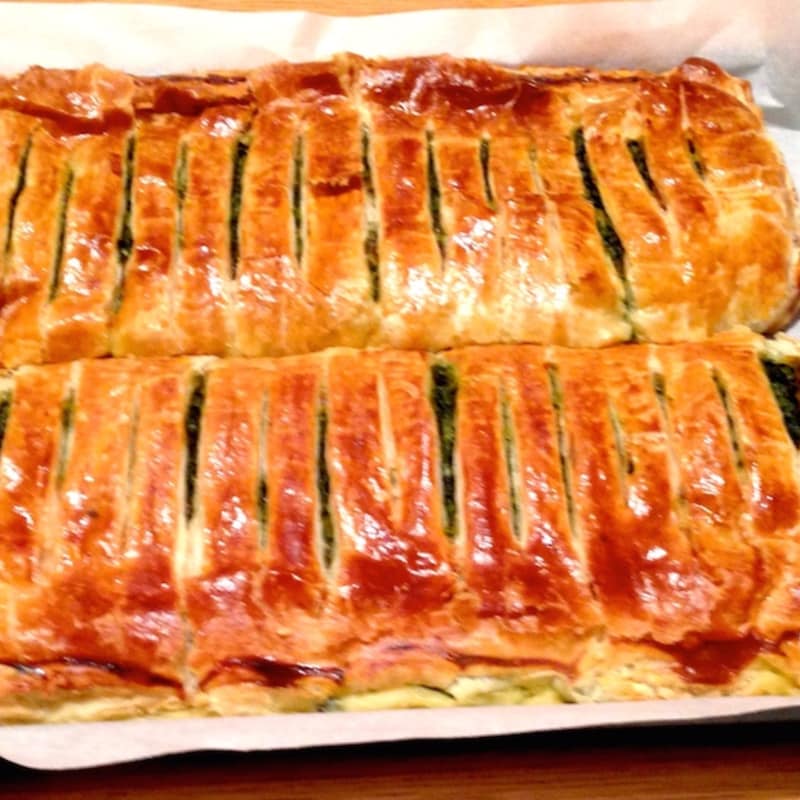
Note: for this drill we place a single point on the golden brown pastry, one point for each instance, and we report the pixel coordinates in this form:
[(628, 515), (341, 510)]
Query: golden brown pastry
[(419, 203), (361, 529)]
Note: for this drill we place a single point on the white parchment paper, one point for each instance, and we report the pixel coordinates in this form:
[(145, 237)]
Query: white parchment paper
[(757, 40), (89, 744)]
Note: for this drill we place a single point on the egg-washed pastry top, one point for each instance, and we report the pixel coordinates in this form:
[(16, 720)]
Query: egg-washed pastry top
[(361, 529), (418, 203)]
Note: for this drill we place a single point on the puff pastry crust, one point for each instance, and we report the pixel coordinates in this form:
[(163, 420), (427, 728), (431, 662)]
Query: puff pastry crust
[(419, 203), (361, 529)]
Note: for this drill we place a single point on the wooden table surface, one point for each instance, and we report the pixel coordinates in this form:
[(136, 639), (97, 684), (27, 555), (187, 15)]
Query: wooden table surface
[(739, 762)]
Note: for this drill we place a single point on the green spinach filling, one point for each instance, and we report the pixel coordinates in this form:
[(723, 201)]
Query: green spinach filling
[(783, 381), (510, 455), (636, 149), (262, 489), (624, 459), (240, 153), (58, 256), (724, 396), (444, 397), (5, 412), (125, 237), (261, 510), (371, 253), (192, 427), (22, 176), (298, 171), (611, 241), (435, 198), (694, 157), (181, 184), (612, 244), (557, 400), (125, 234), (371, 236), (324, 488), (67, 416), (484, 154)]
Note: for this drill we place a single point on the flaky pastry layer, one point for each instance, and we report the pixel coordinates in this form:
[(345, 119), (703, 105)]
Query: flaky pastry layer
[(417, 203), (362, 529)]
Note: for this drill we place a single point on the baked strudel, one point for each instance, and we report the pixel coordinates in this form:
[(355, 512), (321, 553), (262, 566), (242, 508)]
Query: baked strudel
[(418, 203), (362, 529)]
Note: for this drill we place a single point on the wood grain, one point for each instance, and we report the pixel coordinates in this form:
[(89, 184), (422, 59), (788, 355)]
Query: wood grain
[(345, 7), (744, 762)]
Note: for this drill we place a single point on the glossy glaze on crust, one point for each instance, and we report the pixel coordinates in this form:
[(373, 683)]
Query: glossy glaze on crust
[(248, 535), (416, 203)]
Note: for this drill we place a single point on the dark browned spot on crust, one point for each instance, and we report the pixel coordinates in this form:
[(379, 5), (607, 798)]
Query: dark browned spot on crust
[(270, 672)]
